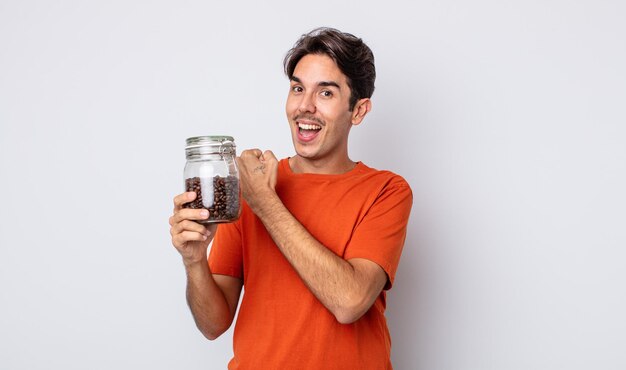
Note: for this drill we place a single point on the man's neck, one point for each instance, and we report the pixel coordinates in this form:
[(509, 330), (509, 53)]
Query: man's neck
[(322, 167)]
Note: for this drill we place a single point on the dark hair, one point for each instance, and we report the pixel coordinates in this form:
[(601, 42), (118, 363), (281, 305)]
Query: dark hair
[(353, 57)]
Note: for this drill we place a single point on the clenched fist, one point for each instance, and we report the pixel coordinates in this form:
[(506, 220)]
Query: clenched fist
[(258, 172)]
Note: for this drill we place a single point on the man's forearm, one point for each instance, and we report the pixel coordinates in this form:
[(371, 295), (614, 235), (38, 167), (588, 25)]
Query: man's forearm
[(338, 285), (207, 302)]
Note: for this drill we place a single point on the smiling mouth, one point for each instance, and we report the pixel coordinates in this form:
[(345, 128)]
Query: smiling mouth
[(308, 130), (308, 123)]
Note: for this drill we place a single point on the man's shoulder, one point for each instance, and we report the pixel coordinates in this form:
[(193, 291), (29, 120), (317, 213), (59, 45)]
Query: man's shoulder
[(389, 178)]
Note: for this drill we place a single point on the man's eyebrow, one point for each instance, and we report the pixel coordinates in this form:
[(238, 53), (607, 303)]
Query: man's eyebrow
[(322, 83), (329, 83)]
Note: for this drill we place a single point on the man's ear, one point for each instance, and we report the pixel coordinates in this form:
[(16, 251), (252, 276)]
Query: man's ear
[(361, 108)]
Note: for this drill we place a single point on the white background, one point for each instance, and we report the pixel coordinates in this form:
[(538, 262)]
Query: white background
[(507, 119)]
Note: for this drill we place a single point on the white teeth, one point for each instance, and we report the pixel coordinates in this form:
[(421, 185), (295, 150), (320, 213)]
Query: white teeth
[(304, 126)]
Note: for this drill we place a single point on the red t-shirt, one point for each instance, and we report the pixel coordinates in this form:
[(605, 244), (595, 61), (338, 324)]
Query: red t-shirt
[(281, 325)]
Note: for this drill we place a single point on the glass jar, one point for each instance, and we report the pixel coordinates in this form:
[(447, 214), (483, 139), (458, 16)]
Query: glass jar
[(211, 172)]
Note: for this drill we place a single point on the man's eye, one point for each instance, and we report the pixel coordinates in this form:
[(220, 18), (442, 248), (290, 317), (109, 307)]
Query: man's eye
[(327, 94), (296, 89)]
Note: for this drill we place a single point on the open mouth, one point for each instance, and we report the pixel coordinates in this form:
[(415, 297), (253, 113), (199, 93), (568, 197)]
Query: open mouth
[(308, 131)]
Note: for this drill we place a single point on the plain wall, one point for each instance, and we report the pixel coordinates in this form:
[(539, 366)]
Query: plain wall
[(506, 117)]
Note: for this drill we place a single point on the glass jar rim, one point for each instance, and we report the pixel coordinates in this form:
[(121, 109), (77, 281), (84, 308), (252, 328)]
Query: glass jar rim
[(213, 140)]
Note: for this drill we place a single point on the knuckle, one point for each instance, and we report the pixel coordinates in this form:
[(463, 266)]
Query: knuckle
[(174, 231)]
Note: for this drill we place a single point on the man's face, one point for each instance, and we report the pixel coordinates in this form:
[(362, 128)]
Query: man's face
[(318, 109)]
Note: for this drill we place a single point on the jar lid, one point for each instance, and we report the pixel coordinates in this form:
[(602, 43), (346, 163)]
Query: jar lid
[(211, 144), (197, 141)]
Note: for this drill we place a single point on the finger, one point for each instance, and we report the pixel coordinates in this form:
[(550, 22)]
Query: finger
[(268, 156), (189, 214), (187, 236), (187, 225), (183, 198), (256, 153)]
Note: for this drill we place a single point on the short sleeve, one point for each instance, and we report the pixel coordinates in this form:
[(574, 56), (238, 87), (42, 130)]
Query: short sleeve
[(380, 235), (226, 255)]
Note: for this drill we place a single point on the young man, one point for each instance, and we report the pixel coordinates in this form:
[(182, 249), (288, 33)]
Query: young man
[(319, 237)]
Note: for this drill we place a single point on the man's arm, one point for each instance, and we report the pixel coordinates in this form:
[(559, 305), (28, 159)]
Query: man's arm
[(212, 298), (346, 288)]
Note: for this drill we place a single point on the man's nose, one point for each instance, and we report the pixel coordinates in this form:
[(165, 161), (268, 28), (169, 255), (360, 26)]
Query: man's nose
[(307, 104)]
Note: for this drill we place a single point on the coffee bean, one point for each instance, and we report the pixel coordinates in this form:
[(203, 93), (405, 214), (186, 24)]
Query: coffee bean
[(225, 206)]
